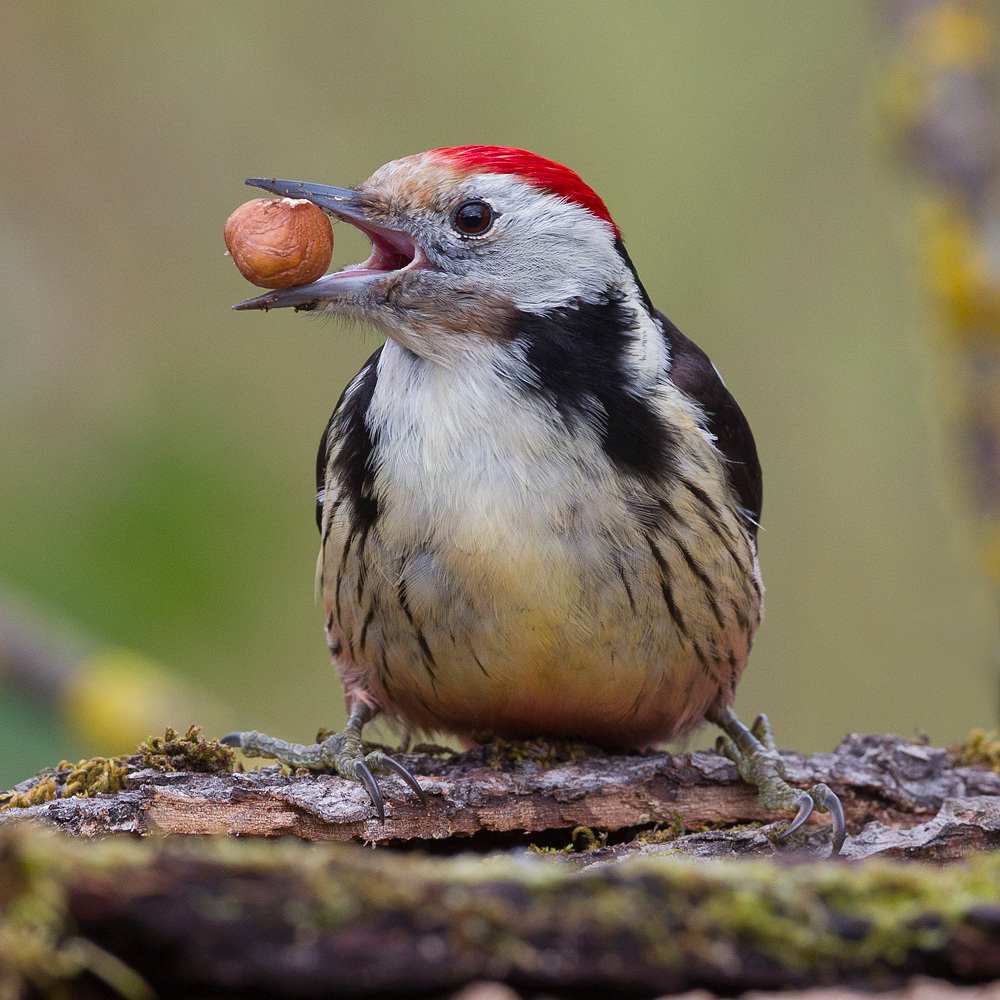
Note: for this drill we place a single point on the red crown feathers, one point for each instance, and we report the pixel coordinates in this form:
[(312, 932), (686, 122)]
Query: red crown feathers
[(536, 170)]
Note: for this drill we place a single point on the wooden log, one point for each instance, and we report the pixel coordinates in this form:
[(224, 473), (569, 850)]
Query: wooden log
[(900, 798)]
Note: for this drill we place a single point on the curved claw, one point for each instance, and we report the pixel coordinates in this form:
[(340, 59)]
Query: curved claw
[(232, 740), (836, 811), (364, 775), (404, 773), (805, 811)]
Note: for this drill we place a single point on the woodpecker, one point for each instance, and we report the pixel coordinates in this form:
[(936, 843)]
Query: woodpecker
[(538, 502)]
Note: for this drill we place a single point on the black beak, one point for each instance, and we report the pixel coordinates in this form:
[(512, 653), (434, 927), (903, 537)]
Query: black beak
[(345, 203)]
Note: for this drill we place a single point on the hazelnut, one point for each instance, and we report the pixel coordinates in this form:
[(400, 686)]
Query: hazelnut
[(280, 242)]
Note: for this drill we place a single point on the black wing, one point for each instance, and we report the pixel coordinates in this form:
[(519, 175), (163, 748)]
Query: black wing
[(354, 460), (695, 375)]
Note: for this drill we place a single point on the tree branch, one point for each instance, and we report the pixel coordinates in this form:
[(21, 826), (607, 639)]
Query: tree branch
[(901, 799)]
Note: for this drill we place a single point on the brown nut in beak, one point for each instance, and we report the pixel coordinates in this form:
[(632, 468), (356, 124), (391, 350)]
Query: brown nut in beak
[(280, 242)]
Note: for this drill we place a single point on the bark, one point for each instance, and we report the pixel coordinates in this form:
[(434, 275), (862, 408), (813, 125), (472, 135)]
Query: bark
[(225, 917), (901, 800)]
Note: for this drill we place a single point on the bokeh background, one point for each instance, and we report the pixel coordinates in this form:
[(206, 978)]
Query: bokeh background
[(157, 449)]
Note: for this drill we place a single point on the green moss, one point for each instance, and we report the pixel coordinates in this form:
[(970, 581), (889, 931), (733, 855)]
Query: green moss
[(540, 751), (190, 752), (87, 778), (981, 748), (661, 834), (581, 840), (539, 849)]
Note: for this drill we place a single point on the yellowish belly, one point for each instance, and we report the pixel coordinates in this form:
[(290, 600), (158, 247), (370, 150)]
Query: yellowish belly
[(529, 641)]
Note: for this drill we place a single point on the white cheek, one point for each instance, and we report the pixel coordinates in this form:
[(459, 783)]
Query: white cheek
[(545, 251)]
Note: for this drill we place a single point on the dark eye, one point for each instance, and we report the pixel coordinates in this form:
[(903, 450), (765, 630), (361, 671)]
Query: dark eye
[(473, 218)]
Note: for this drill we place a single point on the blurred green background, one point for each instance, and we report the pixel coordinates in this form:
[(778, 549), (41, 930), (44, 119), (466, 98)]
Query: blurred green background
[(157, 449)]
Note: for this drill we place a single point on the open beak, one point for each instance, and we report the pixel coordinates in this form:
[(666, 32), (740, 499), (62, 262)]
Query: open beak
[(392, 250)]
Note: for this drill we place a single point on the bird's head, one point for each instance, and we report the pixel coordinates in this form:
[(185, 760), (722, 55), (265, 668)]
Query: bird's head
[(464, 241)]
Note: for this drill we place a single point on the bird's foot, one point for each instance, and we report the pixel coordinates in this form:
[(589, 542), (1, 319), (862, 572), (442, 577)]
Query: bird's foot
[(756, 757), (342, 753)]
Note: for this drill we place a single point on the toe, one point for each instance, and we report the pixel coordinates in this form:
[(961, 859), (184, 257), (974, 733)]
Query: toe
[(761, 728), (727, 748), (232, 739)]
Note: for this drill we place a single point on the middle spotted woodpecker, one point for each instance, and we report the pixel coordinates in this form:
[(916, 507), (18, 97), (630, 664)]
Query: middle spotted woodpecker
[(538, 501)]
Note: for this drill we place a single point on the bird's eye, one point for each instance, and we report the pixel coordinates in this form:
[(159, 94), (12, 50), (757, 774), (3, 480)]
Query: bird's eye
[(473, 218)]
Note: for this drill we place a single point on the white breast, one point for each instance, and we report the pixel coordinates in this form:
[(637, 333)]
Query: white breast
[(465, 457)]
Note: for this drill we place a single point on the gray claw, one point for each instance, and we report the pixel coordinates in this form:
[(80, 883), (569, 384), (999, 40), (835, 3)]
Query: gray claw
[(836, 811), (364, 775), (232, 740), (404, 773), (805, 810)]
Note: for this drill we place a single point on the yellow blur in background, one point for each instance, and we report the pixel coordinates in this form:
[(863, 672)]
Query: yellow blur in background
[(158, 450)]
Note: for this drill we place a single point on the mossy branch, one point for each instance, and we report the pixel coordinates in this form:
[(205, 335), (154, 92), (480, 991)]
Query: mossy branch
[(338, 919), (901, 799)]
